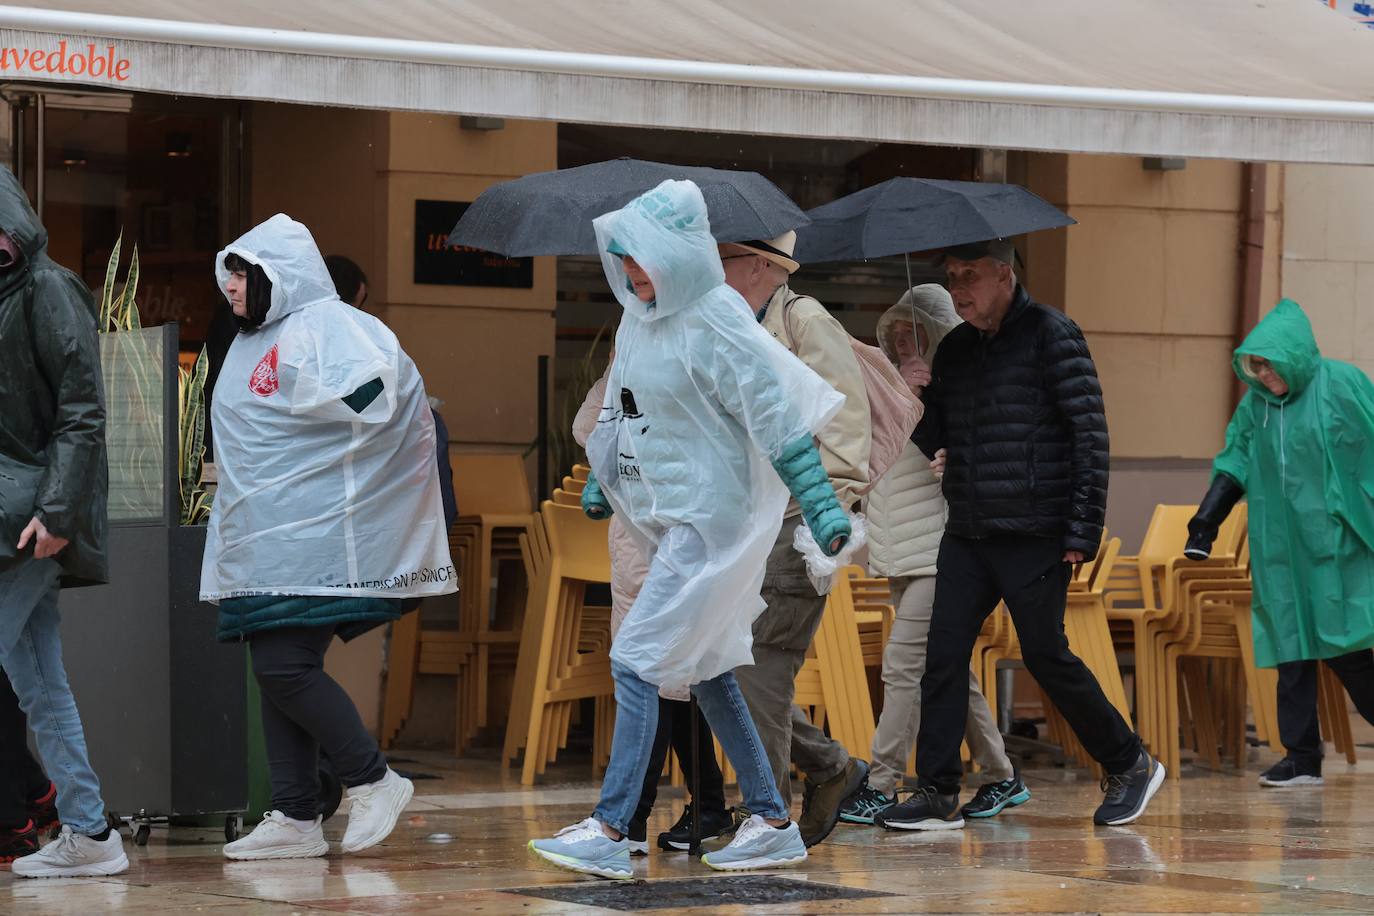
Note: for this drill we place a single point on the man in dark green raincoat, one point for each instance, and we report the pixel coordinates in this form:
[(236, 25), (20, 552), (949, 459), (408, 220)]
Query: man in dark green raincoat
[(53, 485), (1300, 447)]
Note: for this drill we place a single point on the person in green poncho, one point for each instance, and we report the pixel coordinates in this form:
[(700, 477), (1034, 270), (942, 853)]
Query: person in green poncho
[(1300, 448)]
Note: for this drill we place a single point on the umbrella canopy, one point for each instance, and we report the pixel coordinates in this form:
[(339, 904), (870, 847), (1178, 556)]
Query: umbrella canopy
[(919, 214), (551, 213)]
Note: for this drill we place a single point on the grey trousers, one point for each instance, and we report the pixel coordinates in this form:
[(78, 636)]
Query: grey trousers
[(782, 634), (904, 661)]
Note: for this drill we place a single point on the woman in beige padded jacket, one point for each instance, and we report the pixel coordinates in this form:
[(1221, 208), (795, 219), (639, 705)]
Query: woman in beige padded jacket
[(906, 520)]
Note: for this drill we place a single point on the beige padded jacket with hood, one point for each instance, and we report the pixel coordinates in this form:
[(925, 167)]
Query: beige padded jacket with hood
[(905, 509)]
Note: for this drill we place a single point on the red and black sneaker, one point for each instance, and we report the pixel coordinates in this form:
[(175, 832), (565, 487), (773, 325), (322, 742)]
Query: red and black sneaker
[(43, 810), (16, 842)]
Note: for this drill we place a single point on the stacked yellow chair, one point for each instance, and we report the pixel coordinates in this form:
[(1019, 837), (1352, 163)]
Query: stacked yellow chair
[(564, 652), (874, 615), (493, 493)]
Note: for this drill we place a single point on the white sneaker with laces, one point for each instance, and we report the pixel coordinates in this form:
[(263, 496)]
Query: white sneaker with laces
[(758, 844), (373, 810), (74, 855), (280, 837)]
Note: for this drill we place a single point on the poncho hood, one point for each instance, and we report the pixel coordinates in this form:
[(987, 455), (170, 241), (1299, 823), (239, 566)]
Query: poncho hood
[(1284, 337), (287, 253), (667, 232)]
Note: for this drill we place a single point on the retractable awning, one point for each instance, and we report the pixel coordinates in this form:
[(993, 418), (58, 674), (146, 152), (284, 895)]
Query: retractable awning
[(1282, 80)]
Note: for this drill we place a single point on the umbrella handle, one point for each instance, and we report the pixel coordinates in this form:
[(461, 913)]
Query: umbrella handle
[(911, 291)]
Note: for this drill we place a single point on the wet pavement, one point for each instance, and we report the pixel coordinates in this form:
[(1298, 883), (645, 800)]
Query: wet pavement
[(1211, 842)]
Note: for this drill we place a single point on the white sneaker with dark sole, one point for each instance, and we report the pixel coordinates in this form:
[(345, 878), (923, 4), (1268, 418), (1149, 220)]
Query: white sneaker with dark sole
[(279, 837), (74, 855), (373, 810)]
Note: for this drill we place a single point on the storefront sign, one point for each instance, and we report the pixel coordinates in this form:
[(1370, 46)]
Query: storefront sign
[(438, 262), (88, 61)]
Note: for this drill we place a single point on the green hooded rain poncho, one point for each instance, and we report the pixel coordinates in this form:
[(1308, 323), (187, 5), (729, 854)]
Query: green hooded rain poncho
[(1306, 463)]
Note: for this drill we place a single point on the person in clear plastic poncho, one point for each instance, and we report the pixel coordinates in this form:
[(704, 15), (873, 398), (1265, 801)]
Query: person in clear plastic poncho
[(327, 517), (706, 426), (1300, 448)]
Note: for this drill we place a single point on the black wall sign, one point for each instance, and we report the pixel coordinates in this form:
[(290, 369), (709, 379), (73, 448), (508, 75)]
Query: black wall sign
[(438, 262)]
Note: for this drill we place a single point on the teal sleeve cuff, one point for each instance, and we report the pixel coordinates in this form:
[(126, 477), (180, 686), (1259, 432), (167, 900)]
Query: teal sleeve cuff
[(595, 505)]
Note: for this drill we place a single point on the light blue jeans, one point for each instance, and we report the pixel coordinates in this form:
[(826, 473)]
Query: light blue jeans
[(31, 654), (636, 721)]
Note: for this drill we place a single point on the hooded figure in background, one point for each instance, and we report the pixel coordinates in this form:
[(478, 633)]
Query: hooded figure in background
[(1300, 449), (706, 425), (53, 533), (327, 516)]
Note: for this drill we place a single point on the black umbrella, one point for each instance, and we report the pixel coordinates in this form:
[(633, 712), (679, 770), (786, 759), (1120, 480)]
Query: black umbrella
[(551, 213), (919, 214)]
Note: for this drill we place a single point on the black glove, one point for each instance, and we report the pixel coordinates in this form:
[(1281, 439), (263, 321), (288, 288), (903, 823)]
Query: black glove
[(1221, 498)]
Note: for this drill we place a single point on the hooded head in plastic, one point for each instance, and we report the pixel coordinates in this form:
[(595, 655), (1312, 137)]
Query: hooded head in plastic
[(667, 233)]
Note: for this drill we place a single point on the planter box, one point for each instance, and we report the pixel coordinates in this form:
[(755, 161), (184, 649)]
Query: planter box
[(163, 703)]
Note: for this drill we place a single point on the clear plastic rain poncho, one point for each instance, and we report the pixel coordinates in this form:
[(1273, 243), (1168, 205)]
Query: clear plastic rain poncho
[(315, 498), (700, 401)]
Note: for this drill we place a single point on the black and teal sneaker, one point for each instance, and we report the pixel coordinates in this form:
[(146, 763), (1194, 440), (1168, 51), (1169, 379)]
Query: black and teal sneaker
[(864, 805), (995, 796)]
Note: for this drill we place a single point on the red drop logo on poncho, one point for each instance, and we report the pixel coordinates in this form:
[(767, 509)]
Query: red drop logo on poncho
[(263, 381)]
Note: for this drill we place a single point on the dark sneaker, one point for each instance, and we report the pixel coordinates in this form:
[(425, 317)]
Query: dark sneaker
[(993, 797), (822, 802), (924, 809), (17, 841), (638, 836), (1128, 793), (1292, 772), (864, 805), (714, 825), (43, 810)]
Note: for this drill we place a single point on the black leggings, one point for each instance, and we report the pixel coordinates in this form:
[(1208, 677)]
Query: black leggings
[(304, 711), (21, 778), (675, 727)]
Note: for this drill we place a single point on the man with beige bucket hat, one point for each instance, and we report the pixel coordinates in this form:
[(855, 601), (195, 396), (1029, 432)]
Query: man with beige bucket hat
[(759, 271)]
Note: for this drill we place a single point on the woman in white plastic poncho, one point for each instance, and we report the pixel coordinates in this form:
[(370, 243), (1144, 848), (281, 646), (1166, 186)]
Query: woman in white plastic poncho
[(706, 426), (326, 517)]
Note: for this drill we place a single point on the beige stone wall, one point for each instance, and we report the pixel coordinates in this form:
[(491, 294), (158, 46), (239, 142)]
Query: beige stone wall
[(1328, 256), (353, 177), (1151, 273)]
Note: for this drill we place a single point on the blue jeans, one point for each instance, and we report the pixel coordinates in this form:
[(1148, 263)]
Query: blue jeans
[(31, 654), (636, 723)]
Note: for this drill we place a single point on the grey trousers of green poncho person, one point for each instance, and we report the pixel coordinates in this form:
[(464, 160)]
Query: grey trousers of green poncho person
[(782, 634)]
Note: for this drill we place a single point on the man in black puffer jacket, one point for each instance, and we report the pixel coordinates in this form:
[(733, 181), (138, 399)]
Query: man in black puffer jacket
[(1015, 422)]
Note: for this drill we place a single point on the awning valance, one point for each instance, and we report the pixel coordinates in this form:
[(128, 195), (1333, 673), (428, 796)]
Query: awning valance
[(1289, 80)]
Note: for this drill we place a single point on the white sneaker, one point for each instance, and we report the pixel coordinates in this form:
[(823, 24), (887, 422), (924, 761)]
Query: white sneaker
[(74, 855), (373, 810), (280, 837)]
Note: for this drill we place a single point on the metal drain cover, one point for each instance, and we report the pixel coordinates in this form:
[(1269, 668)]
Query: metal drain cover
[(732, 890)]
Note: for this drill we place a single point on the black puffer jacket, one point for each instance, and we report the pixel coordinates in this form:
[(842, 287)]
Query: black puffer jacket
[(1021, 416)]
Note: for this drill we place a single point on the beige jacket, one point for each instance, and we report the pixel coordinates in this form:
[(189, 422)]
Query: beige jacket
[(802, 325)]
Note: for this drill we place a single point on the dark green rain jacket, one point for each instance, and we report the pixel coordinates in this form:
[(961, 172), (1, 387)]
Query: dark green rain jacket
[(1306, 462), (52, 423)]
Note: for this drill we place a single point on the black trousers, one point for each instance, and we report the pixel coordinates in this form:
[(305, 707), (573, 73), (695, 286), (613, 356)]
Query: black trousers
[(1029, 574), (305, 711), (675, 724), (1299, 728), (21, 777)]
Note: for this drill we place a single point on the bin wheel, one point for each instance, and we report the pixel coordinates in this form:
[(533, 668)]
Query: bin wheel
[(141, 835), (233, 824)]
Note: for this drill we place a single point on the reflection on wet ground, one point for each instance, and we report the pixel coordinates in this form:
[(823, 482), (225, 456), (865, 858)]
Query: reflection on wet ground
[(1211, 842)]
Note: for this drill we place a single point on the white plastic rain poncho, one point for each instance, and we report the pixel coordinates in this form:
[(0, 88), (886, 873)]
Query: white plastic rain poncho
[(699, 402), (315, 498)]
